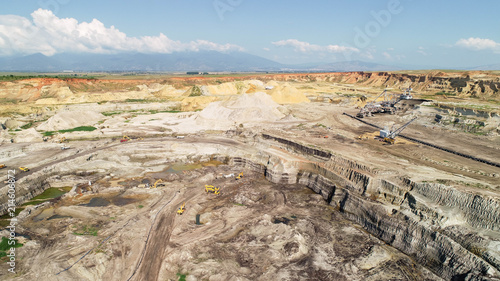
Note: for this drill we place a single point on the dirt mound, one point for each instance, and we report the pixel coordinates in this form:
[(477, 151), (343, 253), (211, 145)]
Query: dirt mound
[(287, 94), (70, 119), (30, 135), (246, 108), (168, 91)]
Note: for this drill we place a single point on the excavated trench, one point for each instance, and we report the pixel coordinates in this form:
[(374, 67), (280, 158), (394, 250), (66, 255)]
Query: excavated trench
[(415, 218), (402, 215)]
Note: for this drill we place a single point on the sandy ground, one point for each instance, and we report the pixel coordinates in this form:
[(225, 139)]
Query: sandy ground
[(254, 230)]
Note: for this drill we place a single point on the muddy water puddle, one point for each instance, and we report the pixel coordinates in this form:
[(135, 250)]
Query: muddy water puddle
[(49, 212), (116, 200), (177, 168), (47, 195)]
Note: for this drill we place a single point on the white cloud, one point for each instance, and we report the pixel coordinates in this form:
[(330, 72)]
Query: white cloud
[(305, 47), (478, 44), (266, 49), (389, 56), (48, 34), (421, 50)]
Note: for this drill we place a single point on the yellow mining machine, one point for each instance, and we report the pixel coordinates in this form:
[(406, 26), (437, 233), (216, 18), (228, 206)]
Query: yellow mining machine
[(239, 176), (181, 209), (24, 169), (212, 189), (157, 182)]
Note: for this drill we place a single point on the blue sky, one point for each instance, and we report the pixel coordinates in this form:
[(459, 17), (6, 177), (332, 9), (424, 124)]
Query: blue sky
[(442, 34)]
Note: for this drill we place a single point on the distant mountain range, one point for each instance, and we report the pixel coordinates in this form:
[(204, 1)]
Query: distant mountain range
[(182, 61)]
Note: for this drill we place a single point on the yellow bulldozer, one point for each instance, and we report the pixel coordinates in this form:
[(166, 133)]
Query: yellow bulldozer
[(212, 189), (181, 209), (2, 166), (239, 176), (24, 169)]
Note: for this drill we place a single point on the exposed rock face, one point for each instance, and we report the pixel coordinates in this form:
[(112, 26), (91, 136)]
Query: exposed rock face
[(434, 81), (451, 232), (439, 226)]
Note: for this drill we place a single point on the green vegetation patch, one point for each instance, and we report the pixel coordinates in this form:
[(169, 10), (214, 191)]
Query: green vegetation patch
[(182, 277), (47, 195), (77, 129), (85, 230), (26, 126), (4, 246), (110, 113), (7, 100), (195, 91), (445, 94), (139, 100)]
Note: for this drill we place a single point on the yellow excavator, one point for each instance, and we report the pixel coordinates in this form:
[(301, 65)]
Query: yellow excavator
[(239, 176), (181, 209), (63, 139), (156, 182), (2, 166), (213, 189), (124, 139)]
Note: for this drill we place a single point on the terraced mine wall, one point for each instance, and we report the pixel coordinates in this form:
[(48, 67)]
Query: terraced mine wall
[(407, 215), (26, 189), (437, 225)]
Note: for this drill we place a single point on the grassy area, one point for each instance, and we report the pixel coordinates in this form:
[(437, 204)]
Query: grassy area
[(139, 100), (47, 195), (4, 246), (182, 277), (20, 76), (445, 94), (26, 126), (85, 230), (111, 113), (77, 129), (164, 111)]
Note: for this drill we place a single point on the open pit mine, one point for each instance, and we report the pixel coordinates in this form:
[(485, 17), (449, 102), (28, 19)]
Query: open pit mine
[(324, 176)]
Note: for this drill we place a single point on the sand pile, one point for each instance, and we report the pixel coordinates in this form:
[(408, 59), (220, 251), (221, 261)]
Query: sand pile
[(70, 119), (229, 88), (169, 91), (286, 94), (246, 108), (29, 135)]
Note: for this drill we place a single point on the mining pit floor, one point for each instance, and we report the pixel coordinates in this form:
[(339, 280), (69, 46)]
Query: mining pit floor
[(113, 225)]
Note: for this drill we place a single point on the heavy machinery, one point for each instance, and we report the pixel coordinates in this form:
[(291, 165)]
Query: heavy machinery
[(24, 169), (212, 189), (2, 166), (181, 209), (124, 139), (65, 147), (406, 95), (157, 182), (385, 106), (390, 136), (63, 139), (239, 176)]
